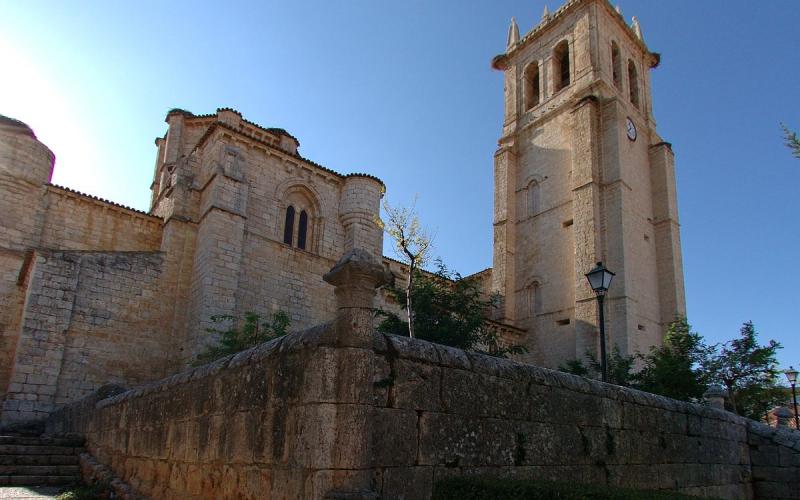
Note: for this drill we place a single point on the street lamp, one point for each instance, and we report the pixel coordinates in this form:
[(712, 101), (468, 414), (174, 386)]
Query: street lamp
[(791, 374), (600, 279)]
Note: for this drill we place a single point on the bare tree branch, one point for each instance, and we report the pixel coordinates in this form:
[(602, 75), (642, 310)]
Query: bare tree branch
[(412, 245)]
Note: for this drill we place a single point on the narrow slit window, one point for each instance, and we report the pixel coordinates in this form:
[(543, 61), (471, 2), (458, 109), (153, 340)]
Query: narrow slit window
[(302, 230), (616, 68), (534, 300), (533, 198), (288, 226), (633, 83)]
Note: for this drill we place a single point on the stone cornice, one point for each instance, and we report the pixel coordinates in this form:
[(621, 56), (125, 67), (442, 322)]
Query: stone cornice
[(500, 62)]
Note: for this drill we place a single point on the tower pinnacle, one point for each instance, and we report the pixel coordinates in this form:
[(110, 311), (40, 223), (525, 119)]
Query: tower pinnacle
[(637, 29), (513, 34)]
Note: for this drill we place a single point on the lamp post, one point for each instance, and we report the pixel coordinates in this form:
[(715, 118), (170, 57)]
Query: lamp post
[(791, 374), (600, 279)]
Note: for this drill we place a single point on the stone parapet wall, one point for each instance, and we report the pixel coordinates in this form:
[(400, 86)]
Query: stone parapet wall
[(775, 459), (261, 424), (472, 414), (302, 416)]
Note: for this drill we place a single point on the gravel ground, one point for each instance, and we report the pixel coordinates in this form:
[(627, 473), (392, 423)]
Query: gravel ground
[(29, 492)]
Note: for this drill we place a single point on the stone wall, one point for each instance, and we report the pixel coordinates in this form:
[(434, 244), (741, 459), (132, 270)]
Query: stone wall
[(76, 221), (89, 318), (305, 415)]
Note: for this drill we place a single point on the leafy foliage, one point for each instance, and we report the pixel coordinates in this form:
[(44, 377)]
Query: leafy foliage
[(478, 488), (792, 141), (253, 331), (685, 366), (674, 369), (620, 367), (448, 310), (746, 369)]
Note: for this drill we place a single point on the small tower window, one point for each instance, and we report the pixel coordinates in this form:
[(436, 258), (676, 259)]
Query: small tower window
[(561, 64), (302, 230), (288, 227), (531, 85), (633, 83), (533, 198), (616, 65), (534, 299)]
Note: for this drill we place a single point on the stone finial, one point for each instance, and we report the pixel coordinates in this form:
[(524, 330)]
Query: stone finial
[(637, 29), (545, 13), (513, 34), (715, 396), (356, 276), (784, 416), (619, 11)]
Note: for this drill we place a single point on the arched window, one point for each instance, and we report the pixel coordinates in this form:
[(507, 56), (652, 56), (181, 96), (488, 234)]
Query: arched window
[(561, 65), (633, 83), (534, 292), (616, 65), (302, 230), (288, 226), (531, 85), (303, 221), (533, 198)]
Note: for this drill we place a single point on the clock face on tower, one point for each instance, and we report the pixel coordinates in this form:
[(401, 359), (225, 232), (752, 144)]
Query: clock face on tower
[(631, 129)]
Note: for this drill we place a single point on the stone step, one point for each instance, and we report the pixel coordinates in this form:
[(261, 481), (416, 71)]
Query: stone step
[(37, 480), (42, 441), (19, 449), (39, 470), (39, 459)]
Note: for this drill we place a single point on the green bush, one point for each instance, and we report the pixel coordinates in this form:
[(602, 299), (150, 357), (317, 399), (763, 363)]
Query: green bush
[(240, 335), (477, 488)]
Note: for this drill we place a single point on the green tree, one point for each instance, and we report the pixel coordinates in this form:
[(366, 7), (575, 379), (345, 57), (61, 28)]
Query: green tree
[(675, 368), (620, 367), (450, 310), (755, 400), (251, 332), (412, 245), (747, 370), (792, 141)]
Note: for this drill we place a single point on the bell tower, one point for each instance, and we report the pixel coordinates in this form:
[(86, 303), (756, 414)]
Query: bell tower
[(582, 176)]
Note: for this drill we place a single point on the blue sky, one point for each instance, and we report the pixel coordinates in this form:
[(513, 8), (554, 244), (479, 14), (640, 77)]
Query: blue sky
[(403, 90)]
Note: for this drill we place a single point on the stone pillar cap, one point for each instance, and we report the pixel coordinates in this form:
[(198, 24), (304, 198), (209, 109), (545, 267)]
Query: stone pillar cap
[(357, 262), (715, 391)]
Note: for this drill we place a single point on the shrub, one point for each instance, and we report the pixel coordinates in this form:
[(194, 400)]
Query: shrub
[(253, 331)]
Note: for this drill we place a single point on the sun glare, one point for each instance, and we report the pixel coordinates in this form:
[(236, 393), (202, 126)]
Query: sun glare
[(32, 94)]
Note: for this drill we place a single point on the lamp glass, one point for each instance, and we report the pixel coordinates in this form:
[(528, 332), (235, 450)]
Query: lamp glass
[(791, 374), (600, 278)]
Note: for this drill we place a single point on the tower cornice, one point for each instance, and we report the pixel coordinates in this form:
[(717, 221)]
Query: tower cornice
[(500, 62)]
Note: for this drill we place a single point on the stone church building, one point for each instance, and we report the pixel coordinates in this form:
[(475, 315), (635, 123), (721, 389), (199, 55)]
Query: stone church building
[(92, 292)]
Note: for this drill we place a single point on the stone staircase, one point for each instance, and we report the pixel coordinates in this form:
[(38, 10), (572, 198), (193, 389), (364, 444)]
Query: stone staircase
[(39, 461)]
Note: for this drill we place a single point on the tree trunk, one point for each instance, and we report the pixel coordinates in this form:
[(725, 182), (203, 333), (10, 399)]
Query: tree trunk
[(408, 301), (732, 398)]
